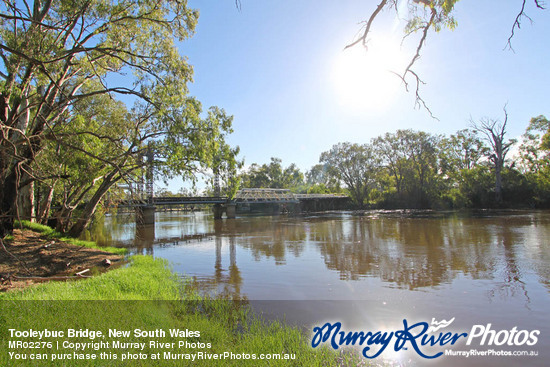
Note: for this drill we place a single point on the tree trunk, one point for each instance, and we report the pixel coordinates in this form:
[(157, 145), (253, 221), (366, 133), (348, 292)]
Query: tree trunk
[(63, 218), (86, 217), (44, 207), (25, 201), (8, 163), (8, 195), (498, 183)]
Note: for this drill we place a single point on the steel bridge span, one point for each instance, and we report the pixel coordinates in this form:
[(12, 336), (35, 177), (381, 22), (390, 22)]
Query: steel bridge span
[(267, 201)]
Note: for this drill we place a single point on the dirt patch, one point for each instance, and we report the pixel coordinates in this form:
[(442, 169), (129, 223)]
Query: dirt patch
[(32, 255)]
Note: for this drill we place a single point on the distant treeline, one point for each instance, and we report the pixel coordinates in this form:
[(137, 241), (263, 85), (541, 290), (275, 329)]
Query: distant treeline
[(472, 168)]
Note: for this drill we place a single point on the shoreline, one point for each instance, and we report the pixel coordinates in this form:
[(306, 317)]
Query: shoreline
[(35, 254)]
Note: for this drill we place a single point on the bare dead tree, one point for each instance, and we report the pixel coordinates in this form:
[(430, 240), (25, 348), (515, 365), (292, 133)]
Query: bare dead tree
[(493, 132)]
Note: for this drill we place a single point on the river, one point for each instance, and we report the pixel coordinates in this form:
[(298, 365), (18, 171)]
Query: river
[(370, 272)]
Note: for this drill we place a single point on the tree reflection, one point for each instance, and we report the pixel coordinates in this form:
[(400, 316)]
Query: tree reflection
[(422, 252), (403, 251)]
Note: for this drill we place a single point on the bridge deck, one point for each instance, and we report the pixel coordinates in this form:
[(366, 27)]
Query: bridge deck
[(265, 196), (175, 200)]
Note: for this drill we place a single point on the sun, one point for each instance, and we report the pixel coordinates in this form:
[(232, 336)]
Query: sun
[(365, 80)]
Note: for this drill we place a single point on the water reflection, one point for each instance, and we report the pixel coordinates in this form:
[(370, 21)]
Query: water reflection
[(371, 269), (404, 253)]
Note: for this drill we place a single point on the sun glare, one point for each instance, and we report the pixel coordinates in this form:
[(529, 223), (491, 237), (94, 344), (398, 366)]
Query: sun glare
[(363, 79)]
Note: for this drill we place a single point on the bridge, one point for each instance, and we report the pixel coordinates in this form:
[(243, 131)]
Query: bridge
[(256, 200), (271, 201)]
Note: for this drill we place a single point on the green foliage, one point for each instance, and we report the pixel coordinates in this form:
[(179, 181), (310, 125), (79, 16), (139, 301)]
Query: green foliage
[(477, 187), (415, 169), (355, 166), (462, 150), (535, 159), (272, 175), (535, 147), (57, 88), (540, 184), (420, 13), (411, 164), (319, 181)]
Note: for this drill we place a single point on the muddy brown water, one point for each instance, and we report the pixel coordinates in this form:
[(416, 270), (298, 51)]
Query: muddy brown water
[(372, 272)]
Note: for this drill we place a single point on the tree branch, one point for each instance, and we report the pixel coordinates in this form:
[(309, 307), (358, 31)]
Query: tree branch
[(363, 38), (517, 22)]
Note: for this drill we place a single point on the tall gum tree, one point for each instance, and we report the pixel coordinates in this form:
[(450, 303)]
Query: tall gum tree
[(51, 49), (356, 166)]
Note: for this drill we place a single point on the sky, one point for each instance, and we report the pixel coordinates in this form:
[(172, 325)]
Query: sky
[(280, 68)]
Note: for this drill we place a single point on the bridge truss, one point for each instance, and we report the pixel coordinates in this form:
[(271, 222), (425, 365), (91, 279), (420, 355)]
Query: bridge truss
[(266, 196)]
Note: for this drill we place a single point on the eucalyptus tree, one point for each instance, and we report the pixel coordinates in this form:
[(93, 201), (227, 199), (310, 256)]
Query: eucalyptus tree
[(462, 150), (56, 54), (394, 157), (318, 180), (535, 147), (356, 166), (535, 157), (273, 175), (183, 145), (459, 153), (423, 153), (410, 159)]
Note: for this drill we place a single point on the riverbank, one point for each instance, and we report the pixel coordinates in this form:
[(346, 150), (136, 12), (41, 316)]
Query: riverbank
[(146, 295), (36, 254)]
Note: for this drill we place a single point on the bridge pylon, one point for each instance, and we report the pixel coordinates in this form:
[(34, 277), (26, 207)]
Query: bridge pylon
[(145, 214), (229, 208)]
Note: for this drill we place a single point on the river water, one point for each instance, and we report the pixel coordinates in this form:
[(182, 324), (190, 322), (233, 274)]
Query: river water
[(371, 272)]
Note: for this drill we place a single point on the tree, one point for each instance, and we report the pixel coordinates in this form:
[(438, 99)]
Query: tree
[(319, 181), (423, 155), (393, 155), (459, 155), (462, 150), (410, 160), (273, 175), (535, 157), (92, 136), (224, 180), (183, 145), (356, 166), (535, 147), (494, 133), (56, 54)]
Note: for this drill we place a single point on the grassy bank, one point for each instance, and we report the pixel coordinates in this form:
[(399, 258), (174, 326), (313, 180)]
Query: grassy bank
[(52, 233), (147, 295)]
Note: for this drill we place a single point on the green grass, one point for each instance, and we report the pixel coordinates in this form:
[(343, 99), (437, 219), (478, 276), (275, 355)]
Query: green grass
[(147, 295), (52, 233), (145, 279)]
